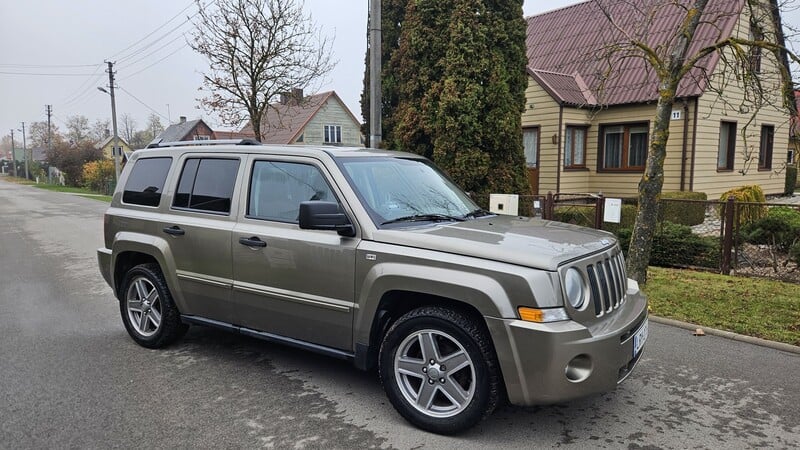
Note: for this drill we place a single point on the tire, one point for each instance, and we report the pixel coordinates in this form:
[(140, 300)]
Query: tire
[(156, 321), (433, 396)]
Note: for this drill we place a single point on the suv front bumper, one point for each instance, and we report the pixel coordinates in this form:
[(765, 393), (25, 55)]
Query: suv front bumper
[(545, 363)]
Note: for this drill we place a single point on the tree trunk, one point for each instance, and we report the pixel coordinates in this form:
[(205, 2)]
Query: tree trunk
[(649, 189)]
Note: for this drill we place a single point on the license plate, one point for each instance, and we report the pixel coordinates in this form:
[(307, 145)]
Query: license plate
[(639, 338)]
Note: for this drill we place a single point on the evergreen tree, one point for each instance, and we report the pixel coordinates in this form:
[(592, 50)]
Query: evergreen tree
[(459, 78)]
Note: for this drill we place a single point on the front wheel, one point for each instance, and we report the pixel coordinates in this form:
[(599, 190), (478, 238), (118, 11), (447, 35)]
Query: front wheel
[(439, 370), (147, 308)]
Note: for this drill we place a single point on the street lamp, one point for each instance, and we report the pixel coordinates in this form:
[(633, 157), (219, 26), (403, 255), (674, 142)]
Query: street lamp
[(116, 150)]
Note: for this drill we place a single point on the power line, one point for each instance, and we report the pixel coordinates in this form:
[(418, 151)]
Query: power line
[(141, 102), (154, 51), (32, 66), (48, 74), (154, 31), (162, 59)]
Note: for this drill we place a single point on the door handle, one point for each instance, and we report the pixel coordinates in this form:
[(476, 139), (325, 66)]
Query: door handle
[(252, 242), (174, 230)]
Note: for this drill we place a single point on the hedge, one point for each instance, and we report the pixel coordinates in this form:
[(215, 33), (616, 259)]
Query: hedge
[(684, 213), (746, 194), (676, 245)]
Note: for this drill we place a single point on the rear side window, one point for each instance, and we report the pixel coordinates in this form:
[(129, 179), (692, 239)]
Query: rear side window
[(207, 184), (146, 181)]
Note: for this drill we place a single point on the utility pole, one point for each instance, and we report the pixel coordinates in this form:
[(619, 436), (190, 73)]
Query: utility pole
[(24, 150), (117, 149), (49, 109), (375, 89), (13, 155)]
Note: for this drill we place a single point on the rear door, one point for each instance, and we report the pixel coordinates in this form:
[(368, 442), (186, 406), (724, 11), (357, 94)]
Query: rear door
[(198, 228), (530, 140), (287, 281)]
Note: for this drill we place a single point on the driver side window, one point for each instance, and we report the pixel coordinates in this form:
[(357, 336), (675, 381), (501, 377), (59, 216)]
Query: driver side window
[(277, 188)]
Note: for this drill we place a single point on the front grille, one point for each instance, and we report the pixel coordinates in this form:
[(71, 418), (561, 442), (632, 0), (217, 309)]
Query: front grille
[(607, 281)]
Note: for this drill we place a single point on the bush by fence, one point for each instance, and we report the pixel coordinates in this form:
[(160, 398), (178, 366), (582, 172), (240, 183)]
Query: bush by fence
[(684, 213), (753, 195), (98, 175), (675, 245)]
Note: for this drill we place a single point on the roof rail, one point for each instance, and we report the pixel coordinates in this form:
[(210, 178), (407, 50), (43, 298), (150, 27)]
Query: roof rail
[(246, 141)]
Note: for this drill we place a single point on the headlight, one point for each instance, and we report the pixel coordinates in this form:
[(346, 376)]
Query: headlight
[(576, 291)]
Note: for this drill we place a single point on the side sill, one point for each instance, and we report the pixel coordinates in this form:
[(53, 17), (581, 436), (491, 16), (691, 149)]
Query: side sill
[(269, 337)]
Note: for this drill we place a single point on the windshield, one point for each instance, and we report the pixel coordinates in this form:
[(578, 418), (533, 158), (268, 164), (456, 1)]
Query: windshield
[(396, 190)]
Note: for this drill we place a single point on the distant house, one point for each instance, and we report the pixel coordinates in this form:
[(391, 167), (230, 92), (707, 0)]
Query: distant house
[(585, 132), (320, 119), (107, 146), (191, 130)]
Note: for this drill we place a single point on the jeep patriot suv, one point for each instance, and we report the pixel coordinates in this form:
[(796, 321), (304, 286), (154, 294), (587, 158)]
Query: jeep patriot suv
[(374, 257)]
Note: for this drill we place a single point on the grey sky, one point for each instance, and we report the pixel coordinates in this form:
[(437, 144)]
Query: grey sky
[(159, 70)]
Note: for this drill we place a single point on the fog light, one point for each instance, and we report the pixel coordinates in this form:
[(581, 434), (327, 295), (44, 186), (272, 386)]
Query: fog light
[(579, 368)]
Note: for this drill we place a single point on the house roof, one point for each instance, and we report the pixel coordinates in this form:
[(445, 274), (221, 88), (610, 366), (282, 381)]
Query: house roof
[(571, 45), (283, 123), (105, 142), (177, 131)]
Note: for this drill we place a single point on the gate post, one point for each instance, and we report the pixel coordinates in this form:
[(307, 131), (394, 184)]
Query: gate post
[(727, 236), (599, 205), (547, 212)]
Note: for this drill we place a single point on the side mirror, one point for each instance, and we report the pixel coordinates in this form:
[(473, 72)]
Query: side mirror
[(316, 215)]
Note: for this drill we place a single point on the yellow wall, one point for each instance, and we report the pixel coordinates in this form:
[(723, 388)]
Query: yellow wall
[(714, 108), (107, 150)]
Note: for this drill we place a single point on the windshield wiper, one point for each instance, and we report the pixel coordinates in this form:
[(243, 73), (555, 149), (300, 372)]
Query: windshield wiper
[(425, 218), (480, 212)]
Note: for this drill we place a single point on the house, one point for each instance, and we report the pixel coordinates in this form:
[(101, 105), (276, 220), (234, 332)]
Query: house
[(107, 146), (320, 119), (191, 130), (588, 118)]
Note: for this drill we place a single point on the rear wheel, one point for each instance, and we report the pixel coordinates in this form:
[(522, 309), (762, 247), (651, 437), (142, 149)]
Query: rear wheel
[(147, 308), (439, 369)]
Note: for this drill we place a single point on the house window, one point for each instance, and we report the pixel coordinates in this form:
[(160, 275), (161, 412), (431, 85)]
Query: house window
[(201, 137), (727, 145), (530, 142), (755, 52), (575, 147), (333, 134), (765, 149), (624, 147)]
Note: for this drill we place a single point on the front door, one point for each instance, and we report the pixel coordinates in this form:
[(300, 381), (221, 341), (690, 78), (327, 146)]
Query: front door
[(287, 281), (530, 141)]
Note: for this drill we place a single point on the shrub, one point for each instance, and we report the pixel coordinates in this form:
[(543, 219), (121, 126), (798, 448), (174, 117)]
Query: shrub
[(684, 213), (791, 180), (627, 220), (794, 253), (98, 175), (781, 227), (575, 214), (676, 245), (746, 194)]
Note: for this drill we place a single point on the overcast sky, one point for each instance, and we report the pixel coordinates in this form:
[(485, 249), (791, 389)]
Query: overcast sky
[(53, 52)]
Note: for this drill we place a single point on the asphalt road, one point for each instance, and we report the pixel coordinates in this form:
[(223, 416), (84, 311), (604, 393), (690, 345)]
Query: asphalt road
[(71, 378)]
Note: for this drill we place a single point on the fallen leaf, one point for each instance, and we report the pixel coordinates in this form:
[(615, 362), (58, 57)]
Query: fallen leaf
[(699, 332)]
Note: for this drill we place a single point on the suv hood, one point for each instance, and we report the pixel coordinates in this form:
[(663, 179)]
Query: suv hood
[(522, 241)]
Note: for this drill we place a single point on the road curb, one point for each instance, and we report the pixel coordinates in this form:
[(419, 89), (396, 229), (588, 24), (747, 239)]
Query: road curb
[(729, 335)]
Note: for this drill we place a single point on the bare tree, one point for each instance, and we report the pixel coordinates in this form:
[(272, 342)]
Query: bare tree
[(128, 127), (682, 58), (77, 129), (257, 50), (100, 130)]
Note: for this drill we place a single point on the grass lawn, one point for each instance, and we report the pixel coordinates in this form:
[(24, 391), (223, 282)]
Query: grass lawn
[(83, 192), (755, 307)]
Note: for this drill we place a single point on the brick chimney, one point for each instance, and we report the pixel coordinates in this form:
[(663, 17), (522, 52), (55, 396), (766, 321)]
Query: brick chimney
[(183, 119)]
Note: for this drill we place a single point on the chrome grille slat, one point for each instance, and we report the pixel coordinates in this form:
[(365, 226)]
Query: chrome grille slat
[(607, 280)]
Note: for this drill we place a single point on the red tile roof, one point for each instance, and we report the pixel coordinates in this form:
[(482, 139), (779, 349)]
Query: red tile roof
[(573, 42), (283, 123)]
